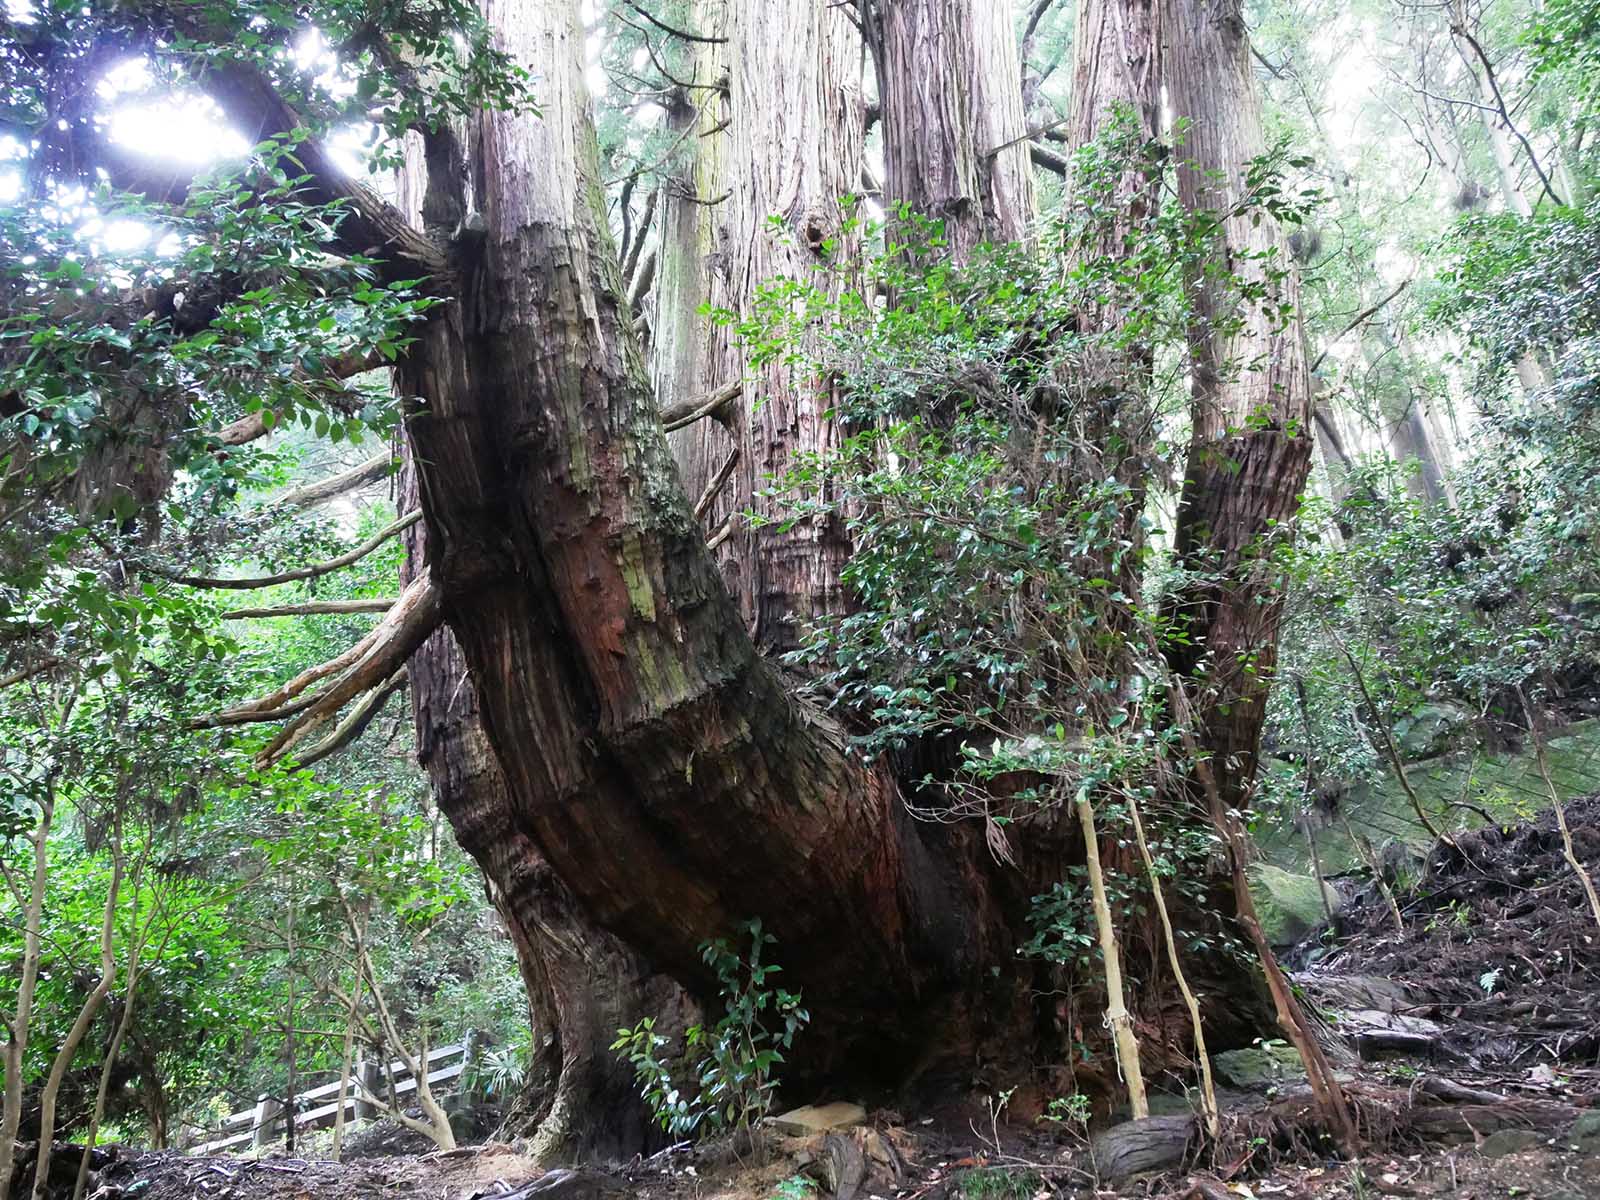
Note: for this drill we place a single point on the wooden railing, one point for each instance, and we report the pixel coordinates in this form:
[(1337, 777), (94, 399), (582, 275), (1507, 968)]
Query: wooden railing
[(255, 1128)]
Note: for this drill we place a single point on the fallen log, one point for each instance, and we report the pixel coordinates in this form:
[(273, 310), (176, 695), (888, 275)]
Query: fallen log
[(1456, 1123), (1143, 1147)]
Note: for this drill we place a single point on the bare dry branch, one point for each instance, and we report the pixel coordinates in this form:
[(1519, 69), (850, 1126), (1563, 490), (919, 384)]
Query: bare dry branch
[(685, 34), (703, 505), (642, 282), (1360, 318), (312, 608), (696, 408), (355, 723), (38, 667), (374, 469), (630, 259), (276, 705), (403, 629), (311, 572), (1048, 159)]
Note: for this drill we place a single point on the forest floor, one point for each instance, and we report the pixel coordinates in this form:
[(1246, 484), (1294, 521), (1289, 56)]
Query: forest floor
[(1468, 1036)]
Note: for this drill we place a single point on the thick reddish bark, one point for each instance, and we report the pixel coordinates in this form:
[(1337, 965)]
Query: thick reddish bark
[(583, 984)]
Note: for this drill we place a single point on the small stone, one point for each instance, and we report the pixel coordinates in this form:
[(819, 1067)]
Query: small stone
[(1509, 1141), (819, 1118)]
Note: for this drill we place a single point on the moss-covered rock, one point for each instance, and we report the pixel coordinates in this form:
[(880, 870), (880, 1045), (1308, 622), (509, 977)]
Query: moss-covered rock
[(1585, 1134), (1429, 729), (1256, 1068), (1288, 904)]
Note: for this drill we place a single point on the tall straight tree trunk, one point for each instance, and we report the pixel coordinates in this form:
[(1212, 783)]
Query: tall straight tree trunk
[(792, 155), (1117, 78), (759, 197), (1251, 420), (954, 129), (693, 207)]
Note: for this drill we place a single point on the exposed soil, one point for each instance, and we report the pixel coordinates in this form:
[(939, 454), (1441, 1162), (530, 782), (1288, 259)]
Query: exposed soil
[(1469, 1039), (1499, 944)]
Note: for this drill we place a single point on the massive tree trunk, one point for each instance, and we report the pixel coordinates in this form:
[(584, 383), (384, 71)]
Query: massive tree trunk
[(649, 755), (583, 984), (1250, 445), (635, 745), (954, 130)]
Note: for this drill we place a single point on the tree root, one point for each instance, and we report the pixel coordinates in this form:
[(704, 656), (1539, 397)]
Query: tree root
[(1436, 1111)]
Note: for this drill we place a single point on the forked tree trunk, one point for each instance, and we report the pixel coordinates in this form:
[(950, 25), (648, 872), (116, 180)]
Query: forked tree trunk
[(954, 130), (1250, 444)]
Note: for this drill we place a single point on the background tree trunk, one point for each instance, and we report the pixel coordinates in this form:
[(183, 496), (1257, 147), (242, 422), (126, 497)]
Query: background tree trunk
[(954, 130), (693, 207), (792, 156), (1250, 443)]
